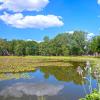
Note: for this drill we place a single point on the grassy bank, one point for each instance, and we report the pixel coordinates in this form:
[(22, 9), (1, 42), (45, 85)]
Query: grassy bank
[(30, 63)]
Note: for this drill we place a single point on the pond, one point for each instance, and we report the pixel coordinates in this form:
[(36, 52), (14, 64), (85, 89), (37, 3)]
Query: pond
[(46, 83)]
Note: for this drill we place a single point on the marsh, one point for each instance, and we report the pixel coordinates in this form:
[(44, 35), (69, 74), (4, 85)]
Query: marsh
[(46, 83)]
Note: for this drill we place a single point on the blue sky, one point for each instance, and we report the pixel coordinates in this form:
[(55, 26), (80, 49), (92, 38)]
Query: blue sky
[(47, 18)]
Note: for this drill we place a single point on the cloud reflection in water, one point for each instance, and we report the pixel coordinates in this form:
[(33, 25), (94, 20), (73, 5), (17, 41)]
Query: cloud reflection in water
[(30, 89)]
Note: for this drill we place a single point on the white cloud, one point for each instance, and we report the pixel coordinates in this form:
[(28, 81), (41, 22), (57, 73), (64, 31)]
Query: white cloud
[(1, 0), (29, 40), (23, 5), (18, 20), (90, 35), (39, 21), (70, 32), (33, 40), (98, 1)]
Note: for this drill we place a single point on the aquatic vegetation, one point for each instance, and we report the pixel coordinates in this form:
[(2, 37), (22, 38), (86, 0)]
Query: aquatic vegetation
[(96, 73), (79, 70), (94, 94), (24, 64), (62, 70), (30, 63)]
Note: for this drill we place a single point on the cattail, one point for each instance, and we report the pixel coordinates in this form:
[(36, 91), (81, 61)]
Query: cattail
[(79, 70)]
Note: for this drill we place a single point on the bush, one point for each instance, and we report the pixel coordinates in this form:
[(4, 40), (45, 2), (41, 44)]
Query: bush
[(93, 96)]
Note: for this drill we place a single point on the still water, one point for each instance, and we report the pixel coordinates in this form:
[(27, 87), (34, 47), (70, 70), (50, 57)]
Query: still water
[(46, 83)]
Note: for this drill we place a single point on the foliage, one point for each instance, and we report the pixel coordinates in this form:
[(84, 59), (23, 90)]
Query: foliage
[(61, 45), (93, 96), (95, 44)]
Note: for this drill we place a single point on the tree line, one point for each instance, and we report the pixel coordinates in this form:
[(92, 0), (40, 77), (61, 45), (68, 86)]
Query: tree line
[(63, 44)]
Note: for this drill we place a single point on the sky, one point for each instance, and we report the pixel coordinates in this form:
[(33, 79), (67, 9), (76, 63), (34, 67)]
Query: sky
[(34, 19)]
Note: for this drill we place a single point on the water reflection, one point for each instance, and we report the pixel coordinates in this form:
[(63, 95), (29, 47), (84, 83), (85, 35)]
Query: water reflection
[(9, 76), (30, 89), (46, 83), (66, 74)]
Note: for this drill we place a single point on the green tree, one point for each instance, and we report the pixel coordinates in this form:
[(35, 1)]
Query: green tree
[(95, 44), (78, 43)]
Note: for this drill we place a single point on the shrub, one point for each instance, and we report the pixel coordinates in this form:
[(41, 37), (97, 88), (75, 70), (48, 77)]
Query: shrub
[(93, 96)]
